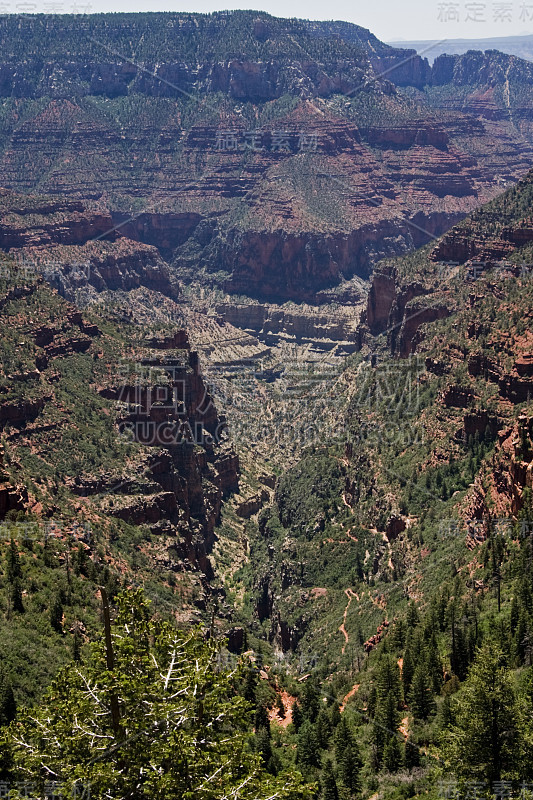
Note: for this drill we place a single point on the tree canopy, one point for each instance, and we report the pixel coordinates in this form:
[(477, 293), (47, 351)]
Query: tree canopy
[(150, 714)]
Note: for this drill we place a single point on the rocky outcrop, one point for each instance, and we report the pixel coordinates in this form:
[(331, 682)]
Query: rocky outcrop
[(524, 366), (268, 480), (436, 366), (374, 640), (64, 339), (178, 340), (30, 222), (381, 298), (12, 498), (403, 68), (284, 635), (480, 364), (25, 394), (77, 248), (416, 314), (480, 422), (456, 397), (515, 388), (272, 324), (501, 494), (16, 293), (164, 231), (264, 599), (274, 57), (180, 468), (479, 69), (407, 135), (19, 412), (395, 526), (150, 510), (458, 247), (486, 242), (247, 508), (393, 308), (236, 640), (241, 79), (517, 384), (285, 266), (170, 411), (386, 308)]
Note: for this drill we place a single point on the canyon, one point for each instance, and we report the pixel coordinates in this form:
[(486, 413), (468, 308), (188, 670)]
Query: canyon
[(306, 170), (266, 364)]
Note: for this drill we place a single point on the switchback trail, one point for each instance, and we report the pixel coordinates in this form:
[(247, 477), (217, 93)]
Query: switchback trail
[(342, 627)]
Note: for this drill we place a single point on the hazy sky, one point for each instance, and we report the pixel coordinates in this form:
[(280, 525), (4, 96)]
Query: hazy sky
[(388, 19)]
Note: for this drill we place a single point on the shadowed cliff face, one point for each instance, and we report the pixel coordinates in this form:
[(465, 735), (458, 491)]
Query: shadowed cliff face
[(77, 247), (276, 157), (399, 311)]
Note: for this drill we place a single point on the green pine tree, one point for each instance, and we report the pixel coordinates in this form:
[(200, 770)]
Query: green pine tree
[(77, 643), (147, 694), (323, 728), (386, 724), (263, 745), (13, 566), (329, 790), (445, 713), (483, 739), (340, 738), (297, 716), (56, 614), (420, 697), (413, 617), (347, 755), (335, 715), (307, 749), (350, 765), (8, 706), (388, 679), (408, 668), (434, 665), (412, 755), (310, 699), (250, 685), (392, 754)]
